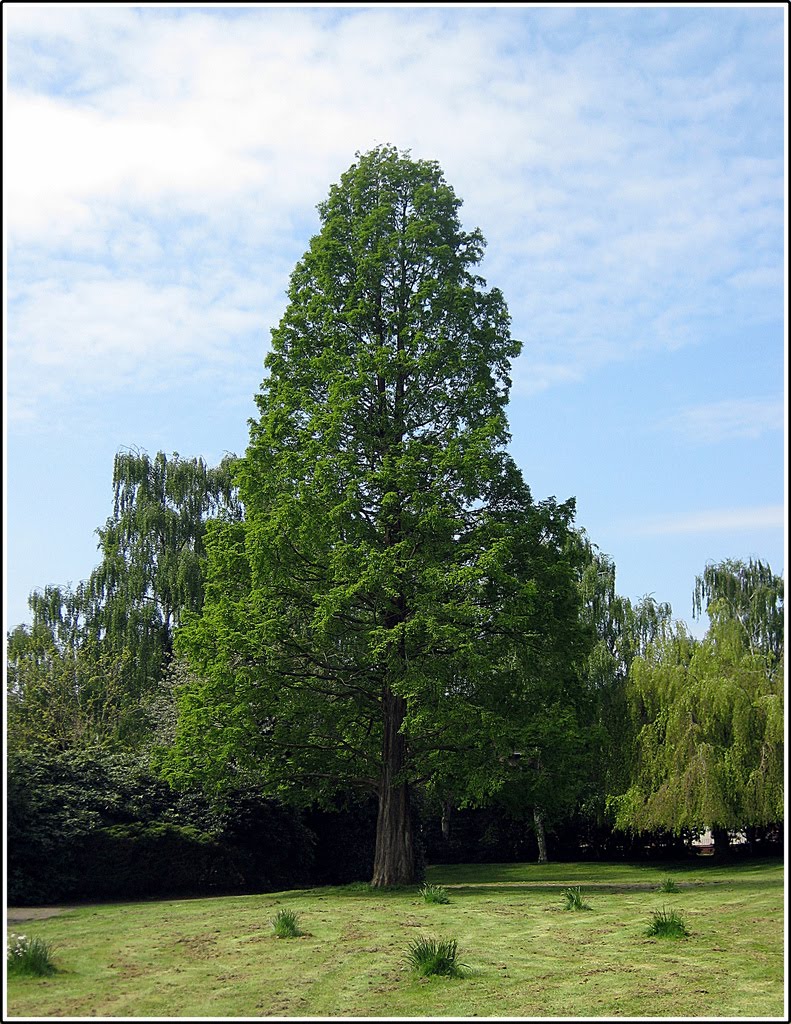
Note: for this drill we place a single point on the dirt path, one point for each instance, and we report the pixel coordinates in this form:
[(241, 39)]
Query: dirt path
[(603, 886), (16, 914)]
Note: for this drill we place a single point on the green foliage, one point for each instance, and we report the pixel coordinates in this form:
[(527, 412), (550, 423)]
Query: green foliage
[(81, 674), (667, 924), (668, 885), (621, 631), (708, 715), (345, 834), (749, 595), (155, 859), (434, 893), (481, 835), (55, 803), (152, 545), (60, 695), (28, 956), (394, 604), (152, 551), (102, 826), (285, 925), (428, 956), (572, 897)]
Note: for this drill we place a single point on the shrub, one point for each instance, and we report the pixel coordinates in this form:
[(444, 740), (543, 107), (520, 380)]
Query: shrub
[(26, 956), (344, 840), (155, 858), (98, 825), (271, 844), (435, 956), (434, 893), (57, 804), (476, 835), (573, 898), (667, 924), (668, 885), (285, 924)]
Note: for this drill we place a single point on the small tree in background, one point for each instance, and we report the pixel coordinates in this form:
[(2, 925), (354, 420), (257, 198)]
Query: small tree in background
[(709, 714), (81, 674)]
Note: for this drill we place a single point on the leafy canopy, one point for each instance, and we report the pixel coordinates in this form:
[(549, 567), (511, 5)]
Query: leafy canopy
[(79, 675), (709, 715), (394, 597)]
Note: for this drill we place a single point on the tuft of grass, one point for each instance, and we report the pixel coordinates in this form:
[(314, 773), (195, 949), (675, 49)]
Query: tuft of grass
[(667, 924), (434, 893), (573, 898), (285, 924), (668, 885), (427, 956), (28, 957)]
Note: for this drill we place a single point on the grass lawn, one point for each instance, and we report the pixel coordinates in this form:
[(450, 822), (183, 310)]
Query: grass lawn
[(529, 957)]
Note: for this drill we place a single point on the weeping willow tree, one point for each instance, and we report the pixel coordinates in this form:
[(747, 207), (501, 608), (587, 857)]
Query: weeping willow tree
[(153, 548), (708, 715), (749, 595), (61, 693), (79, 674), (622, 631)]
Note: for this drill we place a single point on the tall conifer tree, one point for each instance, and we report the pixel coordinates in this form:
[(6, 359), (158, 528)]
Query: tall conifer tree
[(394, 593)]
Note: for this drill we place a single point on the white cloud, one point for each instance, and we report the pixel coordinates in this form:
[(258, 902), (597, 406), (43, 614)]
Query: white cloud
[(67, 160), (529, 378), (103, 334), (611, 208), (748, 418), (765, 517)]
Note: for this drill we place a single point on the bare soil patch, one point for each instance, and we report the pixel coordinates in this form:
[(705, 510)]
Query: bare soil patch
[(16, 914)]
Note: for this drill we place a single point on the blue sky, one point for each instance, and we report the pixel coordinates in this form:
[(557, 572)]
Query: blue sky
[(626, 166)]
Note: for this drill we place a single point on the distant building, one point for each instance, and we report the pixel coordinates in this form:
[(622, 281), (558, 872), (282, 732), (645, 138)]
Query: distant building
[(704, 844)]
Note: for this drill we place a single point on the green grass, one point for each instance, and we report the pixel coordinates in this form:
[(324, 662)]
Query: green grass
[(285, 924), (28, 956), (528, 958), (667, 924), (434, 893), (429, 956), (572, 898)]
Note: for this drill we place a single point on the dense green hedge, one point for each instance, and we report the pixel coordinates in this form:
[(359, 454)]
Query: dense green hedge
[(154, 859), (92, 825), (345, 842)]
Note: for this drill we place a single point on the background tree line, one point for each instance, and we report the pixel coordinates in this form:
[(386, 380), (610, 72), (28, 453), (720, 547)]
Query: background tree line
[(370, 609), (659, 734)]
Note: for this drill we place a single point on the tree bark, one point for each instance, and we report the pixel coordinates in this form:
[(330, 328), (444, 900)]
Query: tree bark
[(541, 835), (722, 843), (447, 807), (394, 859)]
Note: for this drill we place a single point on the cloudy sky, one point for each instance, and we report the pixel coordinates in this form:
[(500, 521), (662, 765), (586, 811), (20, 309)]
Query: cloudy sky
[(626, 166)]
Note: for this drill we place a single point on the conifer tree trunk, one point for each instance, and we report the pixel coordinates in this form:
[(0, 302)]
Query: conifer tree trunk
[(394, 859)]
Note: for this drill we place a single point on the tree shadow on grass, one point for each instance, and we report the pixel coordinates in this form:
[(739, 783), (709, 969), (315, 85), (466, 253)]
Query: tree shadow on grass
[(509, 888)]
